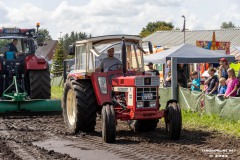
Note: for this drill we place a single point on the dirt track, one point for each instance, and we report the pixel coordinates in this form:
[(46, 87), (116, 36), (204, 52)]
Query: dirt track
[(45, 138)]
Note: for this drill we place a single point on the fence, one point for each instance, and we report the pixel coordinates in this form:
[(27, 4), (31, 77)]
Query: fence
[(191, 100), (57, 81)]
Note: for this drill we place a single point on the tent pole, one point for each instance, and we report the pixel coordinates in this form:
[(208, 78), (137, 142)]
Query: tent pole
[(174, 78)]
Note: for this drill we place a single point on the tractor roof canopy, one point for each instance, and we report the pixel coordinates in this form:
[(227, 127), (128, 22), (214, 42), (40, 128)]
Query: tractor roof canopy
[(13, 32), (111, 38), (90, 52)]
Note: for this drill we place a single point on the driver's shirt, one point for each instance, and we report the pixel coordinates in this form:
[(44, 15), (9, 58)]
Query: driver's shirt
[(106, 63), (12, 47)]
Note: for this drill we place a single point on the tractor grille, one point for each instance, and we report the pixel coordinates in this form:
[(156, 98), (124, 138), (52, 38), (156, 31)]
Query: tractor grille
[(147, 81), (146, 95)]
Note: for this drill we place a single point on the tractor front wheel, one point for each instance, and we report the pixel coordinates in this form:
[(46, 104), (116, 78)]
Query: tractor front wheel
[(79, 106), (173, 121), (108, 124)]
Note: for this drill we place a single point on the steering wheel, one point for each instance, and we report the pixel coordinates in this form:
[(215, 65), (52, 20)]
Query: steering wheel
[(109, 69)]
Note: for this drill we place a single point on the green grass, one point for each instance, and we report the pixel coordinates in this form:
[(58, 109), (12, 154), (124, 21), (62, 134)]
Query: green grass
[(56, 92), (191, 120), (211, 123)]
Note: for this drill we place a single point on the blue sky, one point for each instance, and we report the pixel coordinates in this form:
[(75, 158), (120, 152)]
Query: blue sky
[(101, 17)]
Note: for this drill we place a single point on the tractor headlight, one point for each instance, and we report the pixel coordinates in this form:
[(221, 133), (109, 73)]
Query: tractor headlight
[(102, 84), (139, 104), (152, 104)]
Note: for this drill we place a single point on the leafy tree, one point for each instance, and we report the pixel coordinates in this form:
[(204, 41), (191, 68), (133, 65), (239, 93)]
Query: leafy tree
[(69, 39), (155, 26), (43, 35), (226, 25), (4, 42), (58, 58)]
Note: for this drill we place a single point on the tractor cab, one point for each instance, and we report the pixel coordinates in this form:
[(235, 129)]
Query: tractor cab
[(124, 92), (22, 39)]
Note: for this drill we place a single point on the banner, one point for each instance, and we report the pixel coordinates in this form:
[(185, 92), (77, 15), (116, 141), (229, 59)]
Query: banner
[(222, 46)]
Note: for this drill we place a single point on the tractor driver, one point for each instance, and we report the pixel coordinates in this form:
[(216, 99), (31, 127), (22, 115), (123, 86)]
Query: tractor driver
[(12, 47), (109, 62)]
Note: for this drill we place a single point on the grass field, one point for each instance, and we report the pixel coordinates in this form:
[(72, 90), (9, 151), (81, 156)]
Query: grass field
[(191, 120), (56, 92), (211, 123)]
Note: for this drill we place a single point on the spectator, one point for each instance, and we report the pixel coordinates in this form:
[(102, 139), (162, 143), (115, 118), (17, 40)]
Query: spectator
[(152, 70), (167, 75), (222, 87), (195, 85), (232, 84), (238, 89), (181, 75), (212, 82), (222, 72)]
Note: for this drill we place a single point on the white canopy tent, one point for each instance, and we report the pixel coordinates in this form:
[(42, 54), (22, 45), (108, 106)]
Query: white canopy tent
[(186, 53)]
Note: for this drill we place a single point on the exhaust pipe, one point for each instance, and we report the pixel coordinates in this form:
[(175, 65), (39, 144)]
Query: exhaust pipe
[(124, 57)]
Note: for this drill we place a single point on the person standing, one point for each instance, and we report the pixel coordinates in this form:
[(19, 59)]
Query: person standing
[(151, 69), (167, 75), (181, 75), (195, 85), (232, 84), (211, 82), (222, 72), (222, 87)]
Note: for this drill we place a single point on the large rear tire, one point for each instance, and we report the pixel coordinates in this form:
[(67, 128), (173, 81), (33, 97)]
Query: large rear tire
[(39, 84), (143, 125), (79, 106), (108, 124), (173, 120)]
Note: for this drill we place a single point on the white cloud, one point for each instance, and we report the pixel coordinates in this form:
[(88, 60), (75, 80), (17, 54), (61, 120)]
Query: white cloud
[(117, 16)]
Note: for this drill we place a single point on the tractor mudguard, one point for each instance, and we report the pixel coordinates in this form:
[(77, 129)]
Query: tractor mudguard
[(32, 62)]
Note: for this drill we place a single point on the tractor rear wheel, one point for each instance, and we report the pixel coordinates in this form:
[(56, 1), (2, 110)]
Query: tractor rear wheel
[(108, 124), (39, 84), (79, 106), (143, 125), (173, 121)]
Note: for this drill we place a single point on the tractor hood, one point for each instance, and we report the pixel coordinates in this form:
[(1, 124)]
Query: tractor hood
[(136, 81)]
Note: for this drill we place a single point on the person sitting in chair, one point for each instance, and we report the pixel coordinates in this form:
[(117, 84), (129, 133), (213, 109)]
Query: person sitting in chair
[(110, 62), (12, 47)]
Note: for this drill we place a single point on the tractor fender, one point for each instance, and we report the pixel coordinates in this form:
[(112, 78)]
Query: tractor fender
[(77, 76), (33, 62)]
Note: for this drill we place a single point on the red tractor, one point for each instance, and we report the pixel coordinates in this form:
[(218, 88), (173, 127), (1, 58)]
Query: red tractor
[(127, 93), (24, 77)]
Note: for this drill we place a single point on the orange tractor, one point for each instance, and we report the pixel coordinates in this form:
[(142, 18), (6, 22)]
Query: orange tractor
[(127, 93)]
